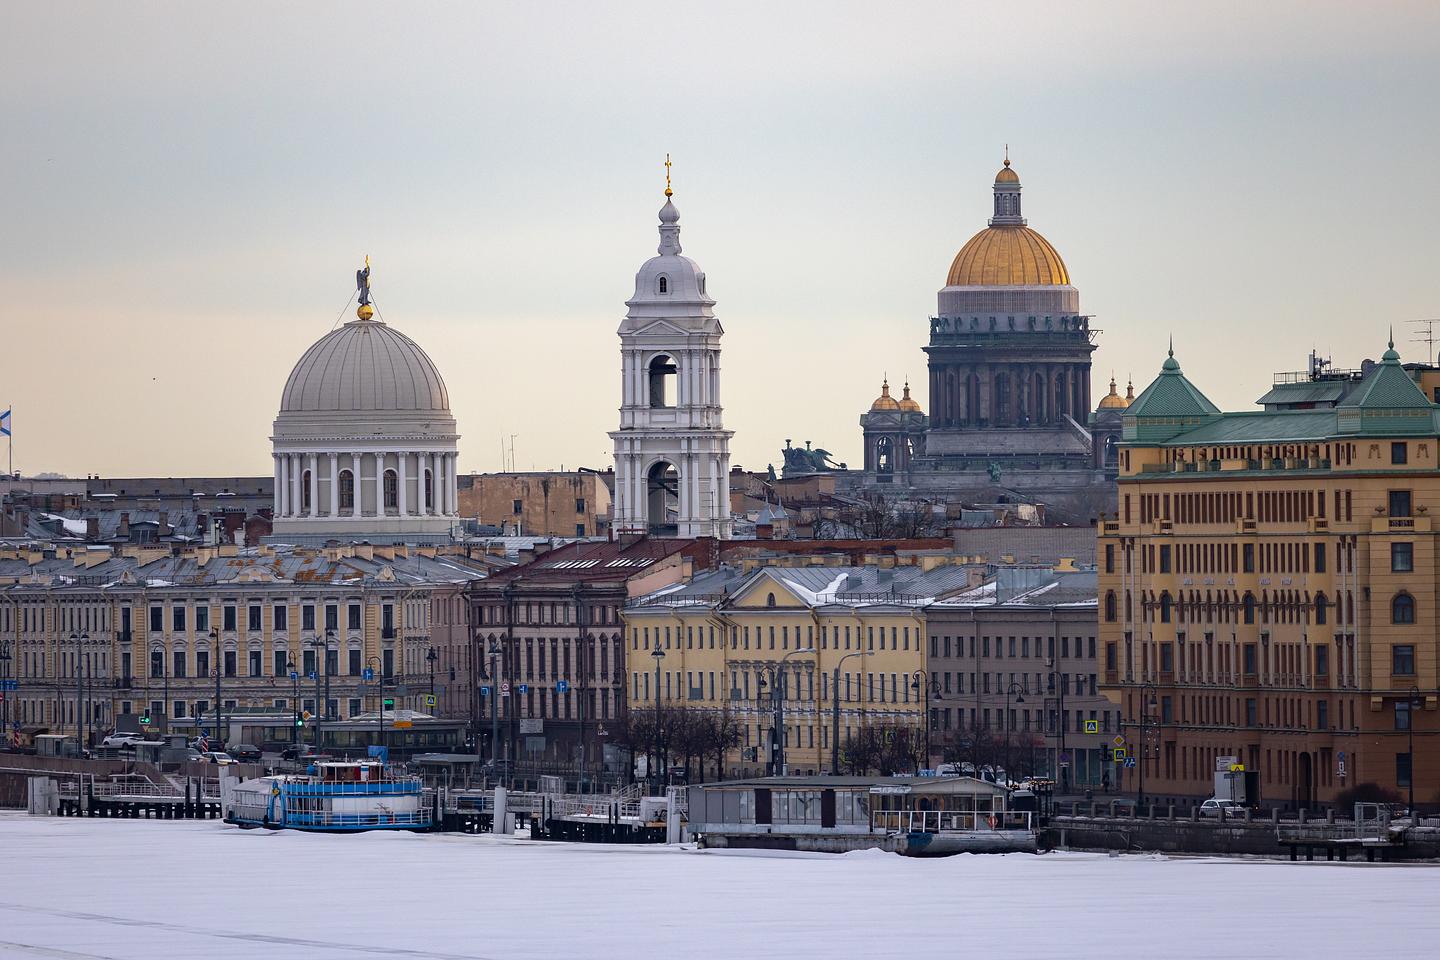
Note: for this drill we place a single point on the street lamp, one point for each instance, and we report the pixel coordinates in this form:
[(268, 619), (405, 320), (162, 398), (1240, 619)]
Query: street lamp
[(5, 704), (1013, 695), (219, 658), (294, 701), (659, 655), (925, 687), (835, 714), (319, 645), (1061, 766), (1145, 704), (431, 656), (1415, 701), (494, 652), (379, 699), (78, 639), (777, 697)]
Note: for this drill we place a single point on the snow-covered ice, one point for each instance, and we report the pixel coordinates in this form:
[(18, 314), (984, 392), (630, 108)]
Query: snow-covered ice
[(140, 890)]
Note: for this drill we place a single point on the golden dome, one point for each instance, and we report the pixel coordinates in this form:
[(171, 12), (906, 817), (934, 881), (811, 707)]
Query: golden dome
[(1113, 400), (885, 401), (1007, 255), (908, 405), (1006, 175)]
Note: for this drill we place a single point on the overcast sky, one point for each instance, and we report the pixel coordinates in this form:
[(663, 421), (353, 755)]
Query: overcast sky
[(186, 190)]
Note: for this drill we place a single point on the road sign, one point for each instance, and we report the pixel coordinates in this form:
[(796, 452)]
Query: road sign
[(1121, 753), (9, 684), (429, 699), (403, 724), (524, 688), (1119, 741), (1065, 758), (310, 675), (563, 686), (1237, 768), (294, 675), (367, 674), (505, 688), (1092, 726), (1129, 761), (485, 691)]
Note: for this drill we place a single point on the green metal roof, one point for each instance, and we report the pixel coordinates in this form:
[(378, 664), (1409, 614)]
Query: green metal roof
[(1388, 387), (1261, 426), (1307, 392), (1171, 395)]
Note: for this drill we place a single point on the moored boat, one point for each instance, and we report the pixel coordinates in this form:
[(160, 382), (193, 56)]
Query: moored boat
[(335, 796)]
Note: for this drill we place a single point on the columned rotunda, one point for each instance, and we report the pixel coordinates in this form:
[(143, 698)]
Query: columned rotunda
[(364, 444)]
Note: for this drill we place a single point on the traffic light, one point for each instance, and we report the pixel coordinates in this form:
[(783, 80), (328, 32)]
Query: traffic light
[(145, 719), (389, 703), (299, 722)]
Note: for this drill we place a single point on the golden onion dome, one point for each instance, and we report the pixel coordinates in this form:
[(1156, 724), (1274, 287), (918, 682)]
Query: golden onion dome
[(885, 401), (1007, 255), (907, 404), (1113, 400), (1006, 175)]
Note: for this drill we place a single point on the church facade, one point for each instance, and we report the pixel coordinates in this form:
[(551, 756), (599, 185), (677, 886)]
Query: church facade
[(1009, 358)]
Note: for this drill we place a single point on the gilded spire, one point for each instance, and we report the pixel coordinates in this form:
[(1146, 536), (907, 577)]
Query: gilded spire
[(1007, 154), (668, 191)]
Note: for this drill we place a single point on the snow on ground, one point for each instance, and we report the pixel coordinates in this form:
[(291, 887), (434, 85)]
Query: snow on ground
[(141, 890)]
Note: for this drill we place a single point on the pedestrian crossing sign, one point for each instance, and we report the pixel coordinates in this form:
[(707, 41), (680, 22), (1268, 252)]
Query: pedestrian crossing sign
[(1092, 726), (429, 699)]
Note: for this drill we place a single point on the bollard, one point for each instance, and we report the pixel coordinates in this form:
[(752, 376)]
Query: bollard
[(1170, 812), (1275, 816), (1092, 809), (1249, 815), (1330, 815), (1194, 814), (1304, 816)]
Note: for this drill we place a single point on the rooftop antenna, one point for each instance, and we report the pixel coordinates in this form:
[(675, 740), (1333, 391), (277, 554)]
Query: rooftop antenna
[(1427, 337)]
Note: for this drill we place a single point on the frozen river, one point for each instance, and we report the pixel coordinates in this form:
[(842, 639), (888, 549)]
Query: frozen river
[(144, 890)]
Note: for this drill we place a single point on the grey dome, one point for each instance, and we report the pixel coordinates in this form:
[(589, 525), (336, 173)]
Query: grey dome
[(365, 366)]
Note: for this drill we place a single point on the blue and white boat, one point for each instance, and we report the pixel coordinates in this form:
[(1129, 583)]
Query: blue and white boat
[(335, 796)]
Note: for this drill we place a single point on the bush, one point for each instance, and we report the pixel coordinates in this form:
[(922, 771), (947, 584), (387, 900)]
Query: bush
[(1365, 793)]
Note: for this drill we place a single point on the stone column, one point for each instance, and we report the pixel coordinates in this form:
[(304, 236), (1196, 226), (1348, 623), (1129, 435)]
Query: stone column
[(454, 485), (434, 484), (358, 508), (282, 480), (314, 485), (400, 481), (334, 485)]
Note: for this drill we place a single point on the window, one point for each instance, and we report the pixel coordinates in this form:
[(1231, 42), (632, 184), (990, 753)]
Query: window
[(770, 600), (1109, 558), (1165, 607), (1249, 608), (305, 491), (255, 661), (1322, 715), (1322, 660), (1399, 503), (1322, 607), (579, 529), (353, 621), (1109, 609), (179, 663), (516, 506), (1110, 655), (1247, 553), (1252, 713), (579, 504), (1167, 658), (1402, 608), (1320, 556), (1402, 557), (664, 284), (1249, 658), (157, 663), (157, 619), (354, 664), (347, 490), (202, 619), (392, 491), (281, 616), (229, 663), (1164, 558), (229, 621), (1399, 452), (253, 617), (307, 617), (282, 660), (202, 663), (332, 617), (1402, 660), (1402, 769), (1402, 714), (177, 619)]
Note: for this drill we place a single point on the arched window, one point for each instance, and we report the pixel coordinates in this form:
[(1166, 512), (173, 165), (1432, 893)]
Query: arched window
[(347, 490), (1165, 607), (1249, 606), (1110, 606), (1402, 608), (663, 378), (664, 285), (429, 491), (770, 600), (392, 490), (1322, 609), (305, 490)]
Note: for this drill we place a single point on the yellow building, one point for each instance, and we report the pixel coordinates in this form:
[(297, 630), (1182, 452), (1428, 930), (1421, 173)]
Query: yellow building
[(728, 634), (1268, 589)]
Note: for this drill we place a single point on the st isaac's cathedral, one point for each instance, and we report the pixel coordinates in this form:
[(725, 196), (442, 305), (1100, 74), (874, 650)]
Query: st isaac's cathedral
[(1009, 382)]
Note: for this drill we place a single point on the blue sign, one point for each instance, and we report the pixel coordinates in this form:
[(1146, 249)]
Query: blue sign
[(484, 691), (1129, 761), (310, 675), (367, 674), (524, 688), (563, 686), (9, 684), (294, 675)]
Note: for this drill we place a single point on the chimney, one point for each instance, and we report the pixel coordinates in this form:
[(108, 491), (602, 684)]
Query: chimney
[(124, 530), (92, 528)]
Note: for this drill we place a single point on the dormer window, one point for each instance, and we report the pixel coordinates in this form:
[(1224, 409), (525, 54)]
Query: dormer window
[(702, 284), (664, 285)]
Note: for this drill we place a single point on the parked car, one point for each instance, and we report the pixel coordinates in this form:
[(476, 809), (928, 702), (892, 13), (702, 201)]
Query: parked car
[(217, 756), (245, 753), (274, 746), (1214, 806), (122, 741)]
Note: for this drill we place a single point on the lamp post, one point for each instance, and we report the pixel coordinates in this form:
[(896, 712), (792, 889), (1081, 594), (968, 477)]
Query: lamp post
[(777, 697), (78, 640), (925, 687), (835, 714), (1415, 701), (1051, 687), (1013, 695), (1146, 702), (319, 646), (379, 696), (431, 656), (219, 666), (165, 676), (5, 703), (325, 667), (659, 655), (294, 701), (494, 652)]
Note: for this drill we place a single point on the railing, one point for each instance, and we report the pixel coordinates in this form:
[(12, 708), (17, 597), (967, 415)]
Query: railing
[(949, 821)]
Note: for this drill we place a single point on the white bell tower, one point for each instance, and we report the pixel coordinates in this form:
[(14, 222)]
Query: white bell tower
[(672, 453)]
